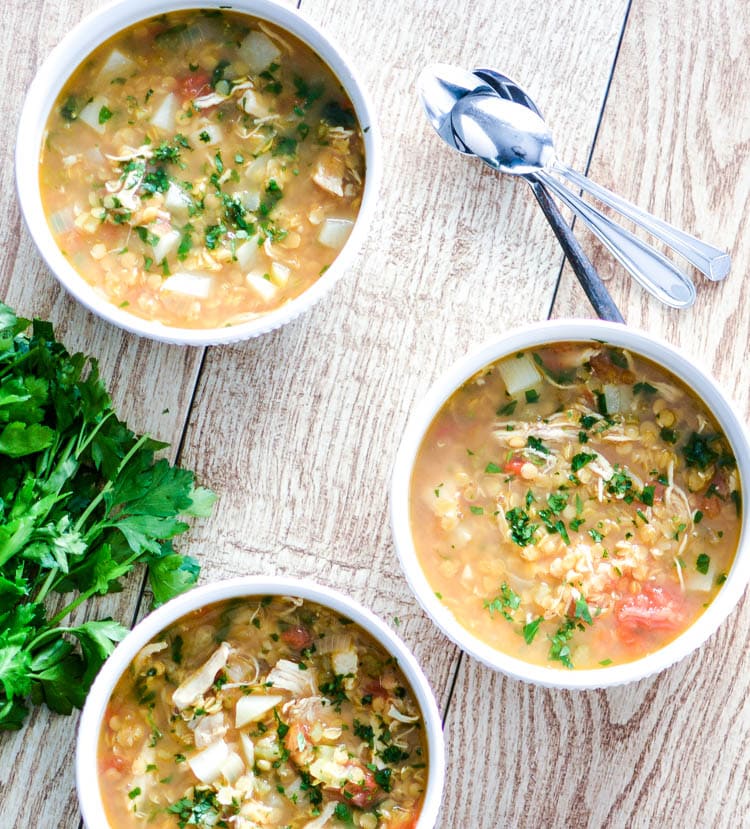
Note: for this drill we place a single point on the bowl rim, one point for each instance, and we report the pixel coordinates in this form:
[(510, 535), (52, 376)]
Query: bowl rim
[(679, 362), (54, 72), (89, 796)]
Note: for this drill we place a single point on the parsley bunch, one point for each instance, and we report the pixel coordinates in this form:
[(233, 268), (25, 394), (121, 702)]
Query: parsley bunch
[(82, 501)]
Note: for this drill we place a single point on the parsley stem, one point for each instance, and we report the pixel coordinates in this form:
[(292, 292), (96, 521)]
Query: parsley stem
[(82, 445), (40, 596), (110, 483)]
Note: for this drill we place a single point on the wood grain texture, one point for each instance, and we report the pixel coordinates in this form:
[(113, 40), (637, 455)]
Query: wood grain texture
[(674, 750), (151, 384), (297, 430)]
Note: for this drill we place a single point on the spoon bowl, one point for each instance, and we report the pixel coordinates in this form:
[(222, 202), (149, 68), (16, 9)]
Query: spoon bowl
[(507, 136), (439, 87)]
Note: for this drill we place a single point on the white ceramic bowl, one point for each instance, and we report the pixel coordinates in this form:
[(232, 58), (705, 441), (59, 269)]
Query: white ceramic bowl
[(680, 364), (91, 720), (52, 76)]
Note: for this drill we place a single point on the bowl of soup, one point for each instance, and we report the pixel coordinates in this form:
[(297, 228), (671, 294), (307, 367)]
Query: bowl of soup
[(197, 172), (260, 702), (567, 504)]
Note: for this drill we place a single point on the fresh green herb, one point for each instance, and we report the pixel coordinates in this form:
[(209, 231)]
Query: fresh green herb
[(476, 510), (531, 628), (644, 388), (521, 530), (186, 243), (580, 460), (105, 113), (84, 501), (668, 435), (697, 516), (647, 495), (576, 523), (529, 498), (587, 421), (70, 109), (583, 437), (202, 809), (582, 611), (720, 579), (621, 485), (596, 535), (133, 793), (383, 778), (702, 563), (337, 116), (605, 662), (343, 813), (156, 181), (285, 146), (394, 754), (564, 377), (536, 443), (532, 396), (364, 732), (507, 409), (504, 602), (559, 650), (492, 468), (204, 136), (557, 502), (698, 451)]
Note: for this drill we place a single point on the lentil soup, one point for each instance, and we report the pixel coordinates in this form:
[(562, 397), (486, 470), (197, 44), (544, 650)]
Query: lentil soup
[(575, 505), (202, 168), (263, 712)]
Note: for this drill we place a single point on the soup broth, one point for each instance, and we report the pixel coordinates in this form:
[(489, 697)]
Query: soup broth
[(266, 711), (202, 168), (575, 506)]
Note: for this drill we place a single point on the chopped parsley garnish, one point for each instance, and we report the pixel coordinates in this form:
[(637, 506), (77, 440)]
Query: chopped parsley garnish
[(504, 602), (596, 535), (698, 451), (531, 629), (536, 444), (644, 388), (647, 495), (337, 116), (70, 110), (492, 468), (557, 502), (580, 460), (521, 530), (702, 563), (105, 113), (559, 650), (285, 146), (582, 610), (668, 435), (532, 396), (476, 510), (507, 409), (621, 485)]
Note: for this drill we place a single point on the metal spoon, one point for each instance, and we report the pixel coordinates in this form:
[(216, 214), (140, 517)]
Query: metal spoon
[(709, 260), (439, 87), (511, 138)]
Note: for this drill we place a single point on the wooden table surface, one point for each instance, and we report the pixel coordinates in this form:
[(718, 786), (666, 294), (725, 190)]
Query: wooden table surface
[(297, 430)]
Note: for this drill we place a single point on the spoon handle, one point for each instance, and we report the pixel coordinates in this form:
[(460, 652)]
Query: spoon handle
[(648, 267), (591, 282), (709, 260)]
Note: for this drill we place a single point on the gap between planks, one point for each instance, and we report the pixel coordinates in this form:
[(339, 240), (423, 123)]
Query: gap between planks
[(592, 148)]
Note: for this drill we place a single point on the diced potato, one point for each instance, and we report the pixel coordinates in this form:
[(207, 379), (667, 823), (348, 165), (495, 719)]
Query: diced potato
[(207, 136), (206, 765), (191, 284), (90, 113), (258, 51), (329, 173), (252, 707), (163, 117), (249, 253), (176, 200), (166, 245), (279, 274), (116, 64), (335, 232), (264, 287)]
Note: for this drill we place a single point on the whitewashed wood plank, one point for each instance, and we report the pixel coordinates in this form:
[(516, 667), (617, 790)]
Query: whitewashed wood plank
[(673, 750)]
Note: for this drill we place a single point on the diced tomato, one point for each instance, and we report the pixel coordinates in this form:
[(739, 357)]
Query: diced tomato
[(297, 637), (402, 821), (194, 85), (113, 761), (656, 607), (513, 466), (362, 795), (375, 689)]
